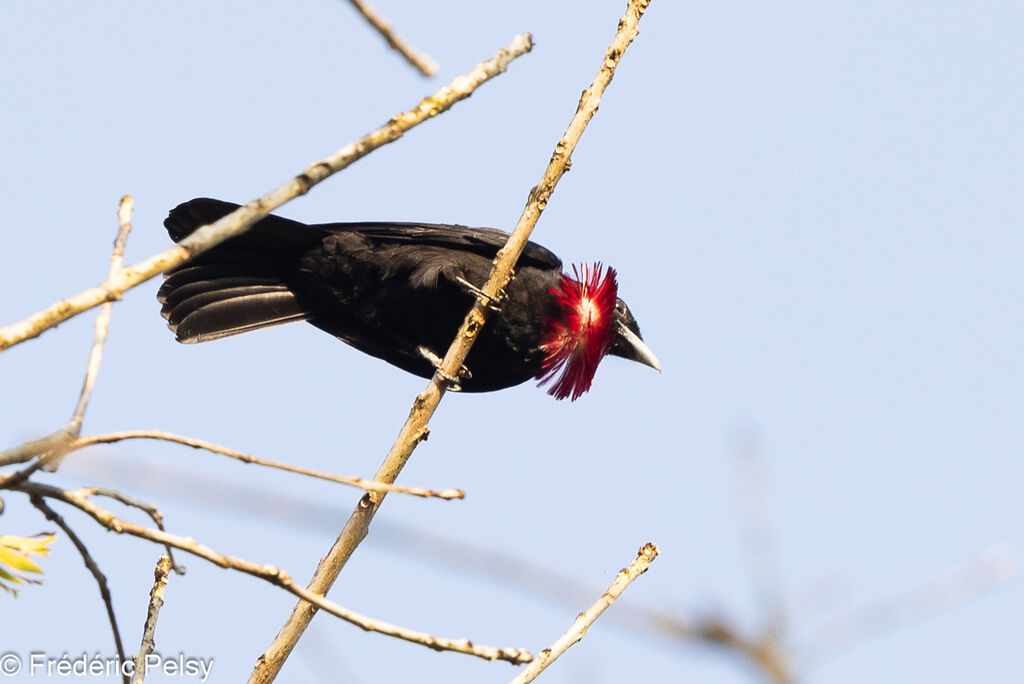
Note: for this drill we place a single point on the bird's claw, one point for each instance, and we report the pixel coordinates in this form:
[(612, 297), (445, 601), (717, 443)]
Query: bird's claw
[(486, 299), (436, 361)]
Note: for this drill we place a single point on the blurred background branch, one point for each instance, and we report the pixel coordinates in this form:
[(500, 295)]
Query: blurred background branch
[(423, 62)]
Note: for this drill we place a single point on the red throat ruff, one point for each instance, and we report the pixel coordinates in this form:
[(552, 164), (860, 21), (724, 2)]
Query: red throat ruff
[(575, 343)]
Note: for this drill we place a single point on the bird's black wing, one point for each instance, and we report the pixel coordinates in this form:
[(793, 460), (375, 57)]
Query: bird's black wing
[(275, 233), (482, 241)]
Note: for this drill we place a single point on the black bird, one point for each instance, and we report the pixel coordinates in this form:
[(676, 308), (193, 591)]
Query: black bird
[(399, 291)]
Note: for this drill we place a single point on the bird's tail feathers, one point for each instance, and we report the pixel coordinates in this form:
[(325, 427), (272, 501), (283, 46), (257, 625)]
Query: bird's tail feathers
[(203, 303), (239, 285)]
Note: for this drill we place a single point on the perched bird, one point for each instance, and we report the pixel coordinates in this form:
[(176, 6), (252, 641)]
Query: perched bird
[(399, 291)]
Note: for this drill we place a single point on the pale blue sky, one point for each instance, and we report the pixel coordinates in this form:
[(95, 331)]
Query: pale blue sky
[(815, 212)]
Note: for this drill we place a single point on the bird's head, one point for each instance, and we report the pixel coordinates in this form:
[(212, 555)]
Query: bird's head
[(594, 322)]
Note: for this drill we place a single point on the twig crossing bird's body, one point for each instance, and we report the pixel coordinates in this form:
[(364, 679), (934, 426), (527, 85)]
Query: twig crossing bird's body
[(398, 291)]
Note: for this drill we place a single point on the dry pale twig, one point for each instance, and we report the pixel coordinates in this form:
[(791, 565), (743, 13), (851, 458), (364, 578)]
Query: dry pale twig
[(156, 601), (53, 446), (359, 482), (124, 223), (415, 429), (90, 563), (239, 220), (80, 499), (422, 61), (647, 553)]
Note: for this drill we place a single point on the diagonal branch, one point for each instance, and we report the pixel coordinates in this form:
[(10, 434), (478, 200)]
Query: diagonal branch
[(422, 61), (239, 220), (415, 429), (269, 573), (647, 553)]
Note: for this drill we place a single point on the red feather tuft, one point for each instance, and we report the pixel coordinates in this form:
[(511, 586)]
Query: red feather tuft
[(575, 343)]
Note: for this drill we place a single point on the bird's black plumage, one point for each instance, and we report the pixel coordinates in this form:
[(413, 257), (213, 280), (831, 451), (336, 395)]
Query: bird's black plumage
[(387, 289)]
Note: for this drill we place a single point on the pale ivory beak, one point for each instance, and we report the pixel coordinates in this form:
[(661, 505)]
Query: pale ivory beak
[(643, 353)]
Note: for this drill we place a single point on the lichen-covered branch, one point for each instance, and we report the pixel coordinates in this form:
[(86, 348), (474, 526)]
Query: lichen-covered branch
[(156, 601)]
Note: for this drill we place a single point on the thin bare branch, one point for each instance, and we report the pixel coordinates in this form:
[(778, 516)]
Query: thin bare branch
[(149, 509), (647, 553), (359, 482), (239, 220), (80, 499), (415, 429), (156, 601), (422, 61), (90, 563), (124, 222), (53, 446)]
